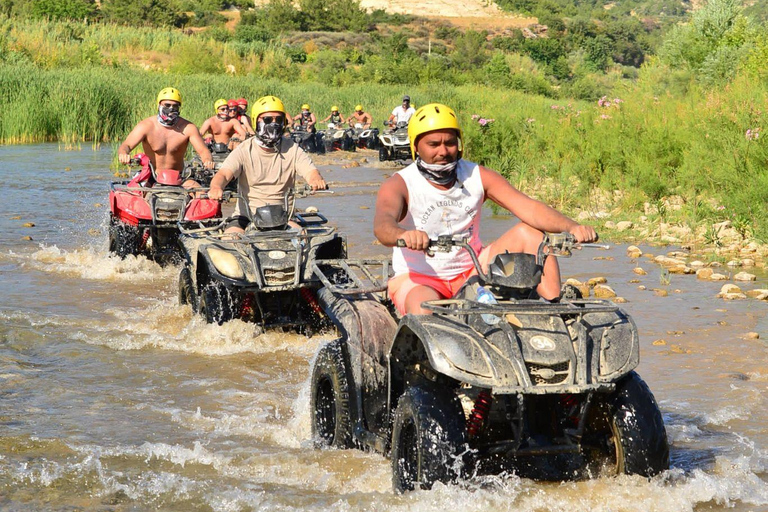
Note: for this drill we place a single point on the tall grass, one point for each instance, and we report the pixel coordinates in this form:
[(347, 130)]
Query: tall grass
[(646, 143)]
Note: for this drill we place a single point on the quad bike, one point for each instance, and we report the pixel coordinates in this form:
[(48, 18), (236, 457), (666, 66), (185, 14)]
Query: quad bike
[(146, 212), (365, 138), (395, 144), (337, 138), (484, 384), (264, 275), (194, 169), (308, 140)]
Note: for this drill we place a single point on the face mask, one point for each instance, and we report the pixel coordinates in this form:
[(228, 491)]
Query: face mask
[(440, 174), (167, 116), (223, 116), (269, 134)]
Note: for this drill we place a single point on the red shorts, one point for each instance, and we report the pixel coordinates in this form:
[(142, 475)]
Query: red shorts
[(400, 286)]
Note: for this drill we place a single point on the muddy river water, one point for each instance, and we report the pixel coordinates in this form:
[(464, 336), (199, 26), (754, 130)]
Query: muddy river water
[(115, 398)]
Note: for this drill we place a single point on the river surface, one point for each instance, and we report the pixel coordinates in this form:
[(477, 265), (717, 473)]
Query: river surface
[(115, 398)]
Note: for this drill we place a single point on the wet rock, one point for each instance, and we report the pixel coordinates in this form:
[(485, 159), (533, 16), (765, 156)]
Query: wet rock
[(97, 205), (697, 264), (375, 242), (676, 333), (681, 269), (610, 224), (759, 294), (350, 165), (718, 277), (669, 239), (649, 256), (734, 263), (660, 343), (603, 291), (721, 322), (634, 252), (94, 232), (677, 349), (753, 336), (677, 254), (311, 209), (624, 225), (659, 292), (365, 207), (67, 169), (363, 160), (731, 292), (747, 262), (744, 276), (639, 271), (596, 281), (634, 281), (642, 287), (16, 217), (29, 224), (603, 258), (27, 238), (715, 264), (619, 300), (677, 290), (729, 288)]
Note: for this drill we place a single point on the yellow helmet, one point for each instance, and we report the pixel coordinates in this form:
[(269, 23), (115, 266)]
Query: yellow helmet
[(359, 108), (333, 108), (266, 104), (169, 93), (429, 118), (305, 107), (221, 102)]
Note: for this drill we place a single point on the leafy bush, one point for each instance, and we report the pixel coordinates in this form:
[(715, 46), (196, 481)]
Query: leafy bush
[(64, 9), (142, 12)]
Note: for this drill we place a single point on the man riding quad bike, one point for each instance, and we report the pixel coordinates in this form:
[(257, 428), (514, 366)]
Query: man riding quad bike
[(337, 137), (395, 144), (493, 380), (146, 212), (262, 275)]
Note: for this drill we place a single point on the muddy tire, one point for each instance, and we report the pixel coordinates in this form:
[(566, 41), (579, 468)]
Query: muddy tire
[(124, 240), (626, 432), (217, 304), (331, 400), (187, 293), (428, 437), (383, 154)]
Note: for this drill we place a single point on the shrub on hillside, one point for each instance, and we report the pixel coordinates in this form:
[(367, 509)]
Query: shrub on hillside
[(64, 9), (142, 12)]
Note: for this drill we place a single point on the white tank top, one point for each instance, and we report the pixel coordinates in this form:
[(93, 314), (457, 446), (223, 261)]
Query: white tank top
[(441, 212)]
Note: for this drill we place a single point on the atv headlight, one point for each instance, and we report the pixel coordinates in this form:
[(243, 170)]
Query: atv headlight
[(226, 263)]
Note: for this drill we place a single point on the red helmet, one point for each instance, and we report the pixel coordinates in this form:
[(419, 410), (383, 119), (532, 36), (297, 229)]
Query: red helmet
[(242, 101), (232, 103)]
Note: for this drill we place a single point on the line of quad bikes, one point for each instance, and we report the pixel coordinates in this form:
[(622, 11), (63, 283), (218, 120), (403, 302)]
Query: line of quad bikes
[(546, 390)]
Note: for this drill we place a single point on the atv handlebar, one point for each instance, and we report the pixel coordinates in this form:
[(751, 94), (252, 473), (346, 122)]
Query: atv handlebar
[(552, 244)]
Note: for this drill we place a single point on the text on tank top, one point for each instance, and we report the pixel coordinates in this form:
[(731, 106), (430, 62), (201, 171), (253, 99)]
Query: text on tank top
[(454, 212)]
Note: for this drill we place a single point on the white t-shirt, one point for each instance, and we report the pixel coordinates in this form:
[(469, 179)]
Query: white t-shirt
[(438, 212), (403, 116)]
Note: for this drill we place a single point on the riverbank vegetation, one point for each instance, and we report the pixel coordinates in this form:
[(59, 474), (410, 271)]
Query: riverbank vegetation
[(682, 136)]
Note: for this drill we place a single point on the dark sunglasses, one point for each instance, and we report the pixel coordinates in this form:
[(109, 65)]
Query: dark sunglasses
[(232, 108), (223, 109), (273, 119)]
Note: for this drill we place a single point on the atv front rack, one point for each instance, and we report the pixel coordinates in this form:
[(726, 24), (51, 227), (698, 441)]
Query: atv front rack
[(518, 307), (352, 277)]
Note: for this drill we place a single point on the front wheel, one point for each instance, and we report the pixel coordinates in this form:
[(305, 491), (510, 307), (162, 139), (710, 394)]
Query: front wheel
[(625, 433), (217, 304), (429, 436), (187, 293), (331, 399), (124, 240), (383, 154)]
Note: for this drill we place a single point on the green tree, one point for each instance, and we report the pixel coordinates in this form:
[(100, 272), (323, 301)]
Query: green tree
[(338, 15), (142, 12), (64, 9)]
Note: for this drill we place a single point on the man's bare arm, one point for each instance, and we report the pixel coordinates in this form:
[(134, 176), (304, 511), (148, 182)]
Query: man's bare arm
[(197, 142), (206, 127), (134, 138), (240, 129), (219, 181), (530, 211)]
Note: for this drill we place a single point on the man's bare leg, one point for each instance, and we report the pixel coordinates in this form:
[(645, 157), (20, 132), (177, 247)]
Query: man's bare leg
[(524, 238), (416, 296)]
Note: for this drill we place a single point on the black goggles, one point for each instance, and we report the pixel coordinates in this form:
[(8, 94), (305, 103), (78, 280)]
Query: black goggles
[(273, 119)]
